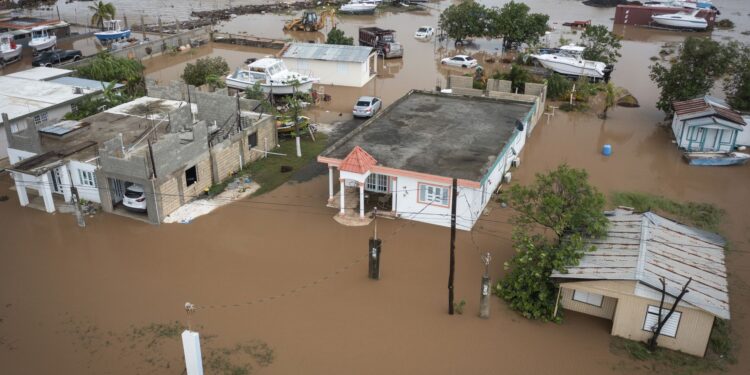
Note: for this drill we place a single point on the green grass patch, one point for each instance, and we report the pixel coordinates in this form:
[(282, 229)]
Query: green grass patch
[(702, 215), (665, 361), (267, 172)]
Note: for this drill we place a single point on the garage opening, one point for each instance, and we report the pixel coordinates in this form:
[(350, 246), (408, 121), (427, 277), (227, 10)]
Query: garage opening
[(191, 176)]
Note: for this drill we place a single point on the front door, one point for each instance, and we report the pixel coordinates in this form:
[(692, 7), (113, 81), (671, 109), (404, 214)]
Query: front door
[(57, 185)]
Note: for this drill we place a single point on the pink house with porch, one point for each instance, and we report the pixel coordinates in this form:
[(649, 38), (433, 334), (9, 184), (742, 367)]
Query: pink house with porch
[(403, 160)]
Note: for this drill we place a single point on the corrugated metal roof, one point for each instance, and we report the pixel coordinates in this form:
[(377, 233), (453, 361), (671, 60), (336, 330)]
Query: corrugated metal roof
[(646, 247), (41, 73), (327, 52), (706, 106)]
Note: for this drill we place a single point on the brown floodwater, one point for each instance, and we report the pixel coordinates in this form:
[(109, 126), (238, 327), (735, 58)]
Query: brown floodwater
[(279, 270)]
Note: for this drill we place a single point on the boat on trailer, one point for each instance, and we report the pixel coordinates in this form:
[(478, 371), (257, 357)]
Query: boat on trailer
[(9, 50), (113, 31), (716, 158), (568, 60), (41, 39), (272, 76)]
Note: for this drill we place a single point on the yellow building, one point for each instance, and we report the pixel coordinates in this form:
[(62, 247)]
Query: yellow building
[(620, 280)]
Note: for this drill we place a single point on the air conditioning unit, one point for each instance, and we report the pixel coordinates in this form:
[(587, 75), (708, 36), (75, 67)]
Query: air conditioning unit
[(516, 162), (506, 178)]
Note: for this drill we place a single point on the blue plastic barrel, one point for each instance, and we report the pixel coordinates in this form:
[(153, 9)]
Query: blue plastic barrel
[(607, 150)]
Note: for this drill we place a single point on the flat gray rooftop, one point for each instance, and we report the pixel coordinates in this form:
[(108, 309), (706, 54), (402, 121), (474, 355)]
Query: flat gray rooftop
[(439, 134)]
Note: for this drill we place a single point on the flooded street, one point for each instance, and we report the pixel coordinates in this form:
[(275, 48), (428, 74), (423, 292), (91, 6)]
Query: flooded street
[(278, 270)]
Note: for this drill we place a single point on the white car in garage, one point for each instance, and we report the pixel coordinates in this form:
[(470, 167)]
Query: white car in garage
[(135, 198), (463, 61), (424, 32)]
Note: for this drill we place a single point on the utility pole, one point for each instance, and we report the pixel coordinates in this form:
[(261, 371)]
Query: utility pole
[(374, 263), (484, 298), (76, 203), (454, 193)]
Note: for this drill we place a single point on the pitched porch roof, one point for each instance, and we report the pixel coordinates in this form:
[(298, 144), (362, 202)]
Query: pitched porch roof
[(701, 107), (358, 161)]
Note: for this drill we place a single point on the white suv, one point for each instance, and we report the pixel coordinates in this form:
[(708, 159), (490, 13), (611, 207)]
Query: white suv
[(135, 198)]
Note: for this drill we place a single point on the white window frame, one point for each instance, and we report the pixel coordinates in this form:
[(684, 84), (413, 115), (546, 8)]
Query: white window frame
[(40, 118), (670, 328), (434, 194), (588, 298), (377, 183), (87, 178)]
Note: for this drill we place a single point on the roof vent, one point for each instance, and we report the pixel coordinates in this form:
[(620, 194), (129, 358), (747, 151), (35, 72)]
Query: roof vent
[(77, 90)]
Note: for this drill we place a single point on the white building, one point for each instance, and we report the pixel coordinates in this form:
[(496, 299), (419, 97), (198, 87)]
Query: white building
[(352, 66), (27, 95), (403, 160), (708, 124)]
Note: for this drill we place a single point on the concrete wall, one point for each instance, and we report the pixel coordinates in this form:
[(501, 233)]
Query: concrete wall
[(465, 91), (113, 162), (460, 82), (216, 109), (606, 310), (409, 207), (233, 153), (499, 85), (352, 74), (172, 190), (176, 150), (25, 140)]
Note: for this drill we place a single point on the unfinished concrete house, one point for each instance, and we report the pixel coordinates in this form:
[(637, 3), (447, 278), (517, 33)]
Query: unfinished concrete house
[(173, 149)]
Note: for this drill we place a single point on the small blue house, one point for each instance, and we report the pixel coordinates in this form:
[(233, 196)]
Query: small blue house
[(706, 124)]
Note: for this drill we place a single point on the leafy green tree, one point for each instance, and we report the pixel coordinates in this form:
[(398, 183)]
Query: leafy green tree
[(101, 11), (601, 44), (561, 202), (609, 98), (108, 68), (464, 20), (92, 105), (518, 76), (207, 70), (692, 74), (737, 84), (516, 25), (255, 92), (337, 36), (558, 87)]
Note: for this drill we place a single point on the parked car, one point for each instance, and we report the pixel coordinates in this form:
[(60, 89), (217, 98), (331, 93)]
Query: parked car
[(56, 56), (367, 106), (463, 61), (424, 32), (135, 198)]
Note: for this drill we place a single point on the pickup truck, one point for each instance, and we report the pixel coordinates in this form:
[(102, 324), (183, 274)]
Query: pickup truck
[(56, 56), (382, 40)]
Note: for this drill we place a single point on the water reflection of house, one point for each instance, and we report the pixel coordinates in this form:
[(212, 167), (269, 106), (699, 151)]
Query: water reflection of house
[(403, 160), (352, 66), (708, 124), (43, 94), (619, 280), (172, 148)]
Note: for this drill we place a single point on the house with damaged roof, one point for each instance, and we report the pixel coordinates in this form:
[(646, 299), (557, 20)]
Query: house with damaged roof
[(172, 145), (620, 280), (708, 124)]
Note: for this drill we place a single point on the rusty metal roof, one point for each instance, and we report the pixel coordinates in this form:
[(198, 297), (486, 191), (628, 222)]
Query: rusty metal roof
[(700, 107), (646, 247)]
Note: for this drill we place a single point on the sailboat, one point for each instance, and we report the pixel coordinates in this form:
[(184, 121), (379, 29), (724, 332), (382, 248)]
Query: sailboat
[(9, 50), (568, 60), (682, 20), (41, 39), (113, 31)]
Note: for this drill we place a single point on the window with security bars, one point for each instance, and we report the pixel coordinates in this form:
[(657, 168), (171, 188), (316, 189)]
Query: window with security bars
[(377, 183), (652, 319), (434, 194), (87, 178)]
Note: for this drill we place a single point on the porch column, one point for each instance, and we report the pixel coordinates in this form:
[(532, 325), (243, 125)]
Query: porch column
[(66, 183), (361, 200), (23, 197), (342, 192), (330, 183), (394, 194), (46, 192)]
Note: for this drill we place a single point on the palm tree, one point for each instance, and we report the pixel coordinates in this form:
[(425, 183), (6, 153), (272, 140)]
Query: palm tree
[(102, 12), (609, 99)]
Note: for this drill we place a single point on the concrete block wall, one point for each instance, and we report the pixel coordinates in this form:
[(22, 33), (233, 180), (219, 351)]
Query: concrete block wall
[(535, 89), (172, 90), (455, 82), (172, 153), (169, 196), (499, 85), (217, 108), (181, 119), (113, 162), (465, 91), (27, 139), (230, 155), (515, 97), (173, 191), (267, 137), (225, 158)]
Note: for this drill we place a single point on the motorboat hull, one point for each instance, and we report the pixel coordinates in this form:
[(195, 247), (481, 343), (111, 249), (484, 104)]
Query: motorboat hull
[(716, 158), (109, 35), (43, 43), (10, 54), (305, 86), (358, 8), (591, 70), (680, 23)]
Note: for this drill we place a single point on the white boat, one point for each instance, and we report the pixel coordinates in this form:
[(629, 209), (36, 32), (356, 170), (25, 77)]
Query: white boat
[(568, 60), (41, 39), (273, 77), (113, 31), (681, 20), (9, 50), (359, 8)]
